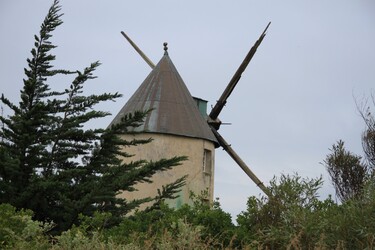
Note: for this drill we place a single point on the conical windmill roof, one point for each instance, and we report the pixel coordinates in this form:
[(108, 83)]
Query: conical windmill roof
[(174, 110)]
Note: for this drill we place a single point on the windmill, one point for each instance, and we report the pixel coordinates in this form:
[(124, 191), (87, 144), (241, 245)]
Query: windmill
[(212, 118)]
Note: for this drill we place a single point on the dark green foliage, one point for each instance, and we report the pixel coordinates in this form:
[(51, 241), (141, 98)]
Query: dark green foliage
[(217, 229), (274, 220), (217, 224), (51, 164), (348, 173), (299, 221), (296, 219), (214, 225)]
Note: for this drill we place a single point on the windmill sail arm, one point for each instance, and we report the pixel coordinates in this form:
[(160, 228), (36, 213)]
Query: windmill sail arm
[(240, 162), (236, 77), (140, 52)]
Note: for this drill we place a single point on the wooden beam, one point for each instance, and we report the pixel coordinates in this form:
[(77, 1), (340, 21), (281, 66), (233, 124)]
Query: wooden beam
[(240, 162), (236, 77), (148, 61)]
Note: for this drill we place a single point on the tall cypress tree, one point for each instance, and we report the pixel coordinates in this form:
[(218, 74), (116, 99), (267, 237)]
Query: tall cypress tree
[(50, 163)]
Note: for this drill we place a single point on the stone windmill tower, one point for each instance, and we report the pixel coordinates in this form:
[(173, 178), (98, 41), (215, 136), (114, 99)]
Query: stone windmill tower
[(180, 126), (177, 128)]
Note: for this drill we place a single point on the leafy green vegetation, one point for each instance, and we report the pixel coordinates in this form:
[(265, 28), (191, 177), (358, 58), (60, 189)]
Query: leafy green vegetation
[(294, 219)]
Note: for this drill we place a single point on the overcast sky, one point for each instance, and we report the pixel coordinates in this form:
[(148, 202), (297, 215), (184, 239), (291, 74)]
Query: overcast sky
[(294, 101)]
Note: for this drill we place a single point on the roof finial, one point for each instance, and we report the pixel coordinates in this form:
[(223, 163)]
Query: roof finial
[(165, 48)]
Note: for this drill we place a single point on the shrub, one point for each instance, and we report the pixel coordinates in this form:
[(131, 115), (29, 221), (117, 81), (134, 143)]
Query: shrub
[(289, 215), (19, 231)]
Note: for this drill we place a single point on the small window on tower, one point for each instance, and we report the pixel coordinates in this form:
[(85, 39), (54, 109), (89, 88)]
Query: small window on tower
[(207, 161)]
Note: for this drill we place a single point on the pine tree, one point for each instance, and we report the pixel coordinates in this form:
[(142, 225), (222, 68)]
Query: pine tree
[(51, 164)]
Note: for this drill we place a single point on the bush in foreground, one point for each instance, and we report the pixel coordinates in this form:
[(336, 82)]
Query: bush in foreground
[(294, 219)]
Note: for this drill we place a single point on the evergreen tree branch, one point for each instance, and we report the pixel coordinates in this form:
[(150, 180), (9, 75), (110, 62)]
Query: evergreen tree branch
[(168, 191)]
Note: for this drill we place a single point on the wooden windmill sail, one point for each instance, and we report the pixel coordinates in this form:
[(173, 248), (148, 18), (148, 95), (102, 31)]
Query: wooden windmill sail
[(214, 114), (191, 127)]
